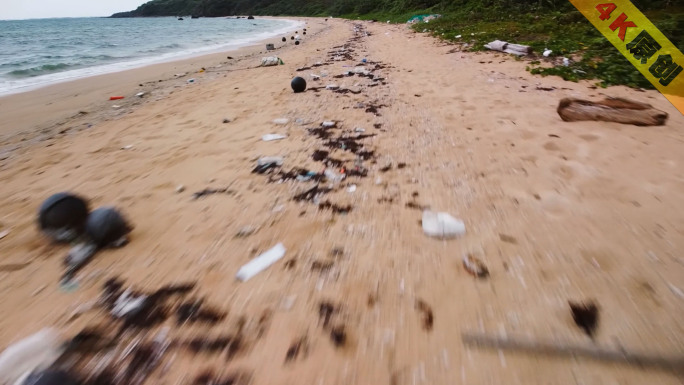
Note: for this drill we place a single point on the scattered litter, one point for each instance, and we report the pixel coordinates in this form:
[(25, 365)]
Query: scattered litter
[(62, 216), (270, 47), (611, 110), (675, 290), (428, 315), (263, 261), (547, 52), (116, 97), (271, 61), (281, 121), (306, 177), (212, 191), (271, 137), (128, 147), (332, 87), (140, 94), (180, 75), (180, 188), (586, 316), (191, 80), (116, 106), (422, 18), (475, 267), (351, 188), (359, 129), (442, 225), (329, 124), (458, 36), (266, 163), (515, 49), (566, 62), (33, 353), (246, 232), (332, 176)]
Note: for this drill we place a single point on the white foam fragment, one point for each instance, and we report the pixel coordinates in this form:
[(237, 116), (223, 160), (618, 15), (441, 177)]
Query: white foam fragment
[(270, 137), (442, 225), (35, 352), (260, 263), (281, 121), (329, 124)]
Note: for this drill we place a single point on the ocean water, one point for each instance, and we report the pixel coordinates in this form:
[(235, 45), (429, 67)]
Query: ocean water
[(35, 53)]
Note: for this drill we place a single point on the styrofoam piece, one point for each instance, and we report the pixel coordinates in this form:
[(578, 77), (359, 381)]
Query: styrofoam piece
[(270, 137), (281, 121), (35, 352), (442, 225), (260, 263)]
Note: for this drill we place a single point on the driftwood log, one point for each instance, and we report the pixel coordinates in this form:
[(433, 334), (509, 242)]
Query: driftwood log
[(611, 110), (515, 49)]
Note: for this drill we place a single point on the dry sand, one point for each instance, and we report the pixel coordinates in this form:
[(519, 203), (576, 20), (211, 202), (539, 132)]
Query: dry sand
[(558, 211)]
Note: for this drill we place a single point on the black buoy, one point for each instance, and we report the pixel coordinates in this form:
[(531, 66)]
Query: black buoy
[(298, 84), (292, 38), (62, 216), (284, 39), (51, 377), (107, 227), (304, 33), (297, 42)]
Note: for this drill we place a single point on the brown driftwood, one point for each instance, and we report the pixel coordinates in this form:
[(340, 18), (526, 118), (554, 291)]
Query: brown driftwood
[(611, 110), (671, 363)]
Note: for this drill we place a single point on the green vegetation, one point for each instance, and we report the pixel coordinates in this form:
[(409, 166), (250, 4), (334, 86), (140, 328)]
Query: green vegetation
[(552, 24), (562, 29)]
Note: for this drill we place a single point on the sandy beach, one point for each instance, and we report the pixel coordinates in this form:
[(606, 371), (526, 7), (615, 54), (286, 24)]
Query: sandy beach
[(557, 211)]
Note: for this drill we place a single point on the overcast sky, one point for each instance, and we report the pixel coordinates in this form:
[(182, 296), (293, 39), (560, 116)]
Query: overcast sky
[(35, 9)]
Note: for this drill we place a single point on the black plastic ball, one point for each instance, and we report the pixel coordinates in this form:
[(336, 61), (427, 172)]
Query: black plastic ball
[(298, 84), (284, 39), (106, 225), (62, 216), (297, 42), (291, 37)]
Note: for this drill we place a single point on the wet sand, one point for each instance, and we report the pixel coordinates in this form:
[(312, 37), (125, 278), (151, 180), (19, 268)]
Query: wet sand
[(557, 211)]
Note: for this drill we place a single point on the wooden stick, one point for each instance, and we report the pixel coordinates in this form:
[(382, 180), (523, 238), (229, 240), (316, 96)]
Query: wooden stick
[(672, 363)]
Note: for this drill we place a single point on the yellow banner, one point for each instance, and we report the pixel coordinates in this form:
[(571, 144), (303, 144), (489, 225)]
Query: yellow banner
[(641, 43)]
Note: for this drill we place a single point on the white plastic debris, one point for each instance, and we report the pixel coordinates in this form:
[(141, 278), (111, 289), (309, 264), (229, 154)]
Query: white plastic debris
[(332, 87), (271, 137), (266, 160), (127, 303), (270, 61), (359, 129), (351, 188), (566, 62), (333, 176), (140, 94), (297, 37), (458, 36), (329, 124), (547, 52), (314, 76), (260, 263), (35, 352), (442, 225), (281, 121)]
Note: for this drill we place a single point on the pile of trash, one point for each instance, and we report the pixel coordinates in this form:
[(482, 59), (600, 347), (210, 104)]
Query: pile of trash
[(423, 18)]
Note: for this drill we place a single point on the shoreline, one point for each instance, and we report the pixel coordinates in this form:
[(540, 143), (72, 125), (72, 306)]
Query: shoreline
[(65, 103), (141, 62)]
